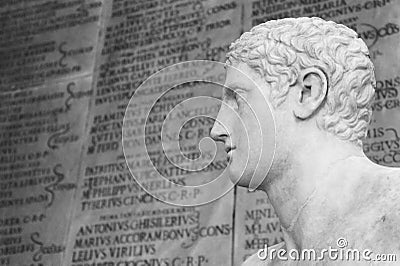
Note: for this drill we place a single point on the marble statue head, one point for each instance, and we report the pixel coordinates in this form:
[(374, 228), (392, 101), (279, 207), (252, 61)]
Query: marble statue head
[(317, 76)]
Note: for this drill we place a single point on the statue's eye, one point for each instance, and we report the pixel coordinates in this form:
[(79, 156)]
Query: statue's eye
[(238, 94), (233, 97), (229, 94)]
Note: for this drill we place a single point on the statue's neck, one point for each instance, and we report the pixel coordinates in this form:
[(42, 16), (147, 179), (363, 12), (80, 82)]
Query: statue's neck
[(303, 191)]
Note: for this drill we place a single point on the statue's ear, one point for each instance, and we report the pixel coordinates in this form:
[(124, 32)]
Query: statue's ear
[(312, 88)]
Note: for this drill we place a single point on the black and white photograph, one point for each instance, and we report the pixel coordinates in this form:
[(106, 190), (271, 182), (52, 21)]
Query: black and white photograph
[(199, 132)]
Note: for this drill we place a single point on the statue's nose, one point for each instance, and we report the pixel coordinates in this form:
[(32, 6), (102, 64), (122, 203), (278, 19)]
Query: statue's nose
[(219, 130)]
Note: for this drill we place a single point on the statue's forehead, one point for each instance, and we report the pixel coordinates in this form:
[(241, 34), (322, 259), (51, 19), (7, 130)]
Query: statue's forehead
[(239, 77)]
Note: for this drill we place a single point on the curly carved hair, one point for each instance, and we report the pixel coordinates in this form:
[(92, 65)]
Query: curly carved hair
[(279, 49)]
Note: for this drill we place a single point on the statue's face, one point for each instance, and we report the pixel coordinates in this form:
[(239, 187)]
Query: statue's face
[(246, 126)]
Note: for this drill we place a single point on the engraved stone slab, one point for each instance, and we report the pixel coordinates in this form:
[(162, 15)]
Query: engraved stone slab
[(40, 143), (43, 41)]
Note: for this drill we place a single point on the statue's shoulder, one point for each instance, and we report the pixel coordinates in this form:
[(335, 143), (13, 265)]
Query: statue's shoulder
[(387, 201), (385, 190), (377, 188), (375, 212), (254, 260)]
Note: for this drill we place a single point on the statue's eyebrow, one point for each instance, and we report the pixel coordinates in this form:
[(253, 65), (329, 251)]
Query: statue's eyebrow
[(236, 86), (232, 89)]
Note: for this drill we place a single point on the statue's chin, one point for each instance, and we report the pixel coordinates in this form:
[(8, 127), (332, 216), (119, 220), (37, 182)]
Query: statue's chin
[(235, 179), (249, 180), (239, 180)]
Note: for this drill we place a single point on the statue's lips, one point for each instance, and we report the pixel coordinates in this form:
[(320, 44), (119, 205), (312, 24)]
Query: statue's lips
[(229, 155)]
